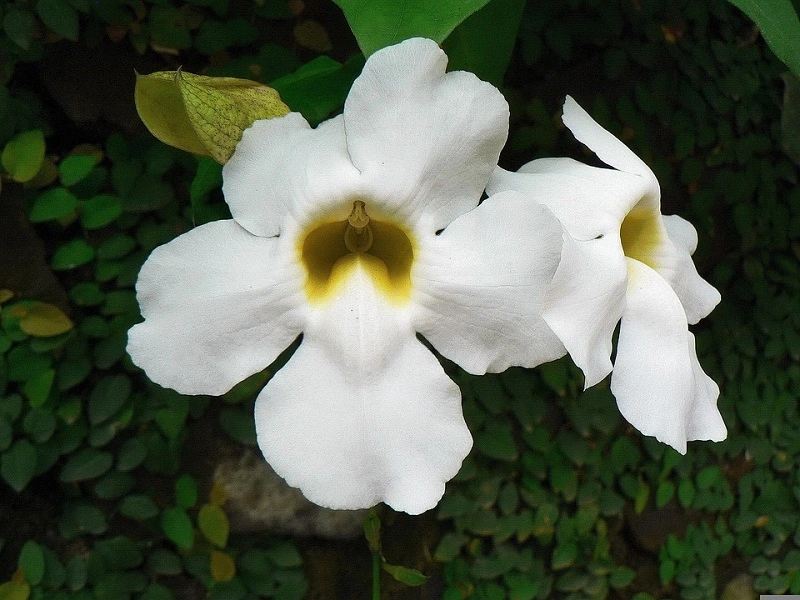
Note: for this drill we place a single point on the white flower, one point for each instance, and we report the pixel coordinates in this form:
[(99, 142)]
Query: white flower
[(622, 259), (360, 234)]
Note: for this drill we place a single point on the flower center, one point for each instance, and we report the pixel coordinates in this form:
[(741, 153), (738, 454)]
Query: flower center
[(641, 236), (331, 251)]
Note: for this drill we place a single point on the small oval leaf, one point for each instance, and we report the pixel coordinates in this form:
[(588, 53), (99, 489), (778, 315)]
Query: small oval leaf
[(44, 320), (222, 566), (23, 156), (214, 524), (178, 527)]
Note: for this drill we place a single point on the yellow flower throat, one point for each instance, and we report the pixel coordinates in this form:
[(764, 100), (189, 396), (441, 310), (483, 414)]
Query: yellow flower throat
[(331, 251), (641, 236)]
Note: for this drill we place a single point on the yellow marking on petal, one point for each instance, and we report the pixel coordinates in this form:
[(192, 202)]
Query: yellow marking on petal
[(331, 251), (641, 235)]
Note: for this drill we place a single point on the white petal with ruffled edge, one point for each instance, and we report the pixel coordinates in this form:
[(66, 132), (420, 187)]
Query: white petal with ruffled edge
[(697, 295), (479, 286), (220, 304), (705, 421), (424, 140), (654, 379), (585, 301), (589, 201), (608, 148), (363, 412), (284, 167)]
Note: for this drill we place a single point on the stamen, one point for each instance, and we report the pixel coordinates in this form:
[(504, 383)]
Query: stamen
[(358, 235)]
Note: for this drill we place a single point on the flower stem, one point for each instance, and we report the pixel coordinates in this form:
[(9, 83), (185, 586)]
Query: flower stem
[(376, 576)]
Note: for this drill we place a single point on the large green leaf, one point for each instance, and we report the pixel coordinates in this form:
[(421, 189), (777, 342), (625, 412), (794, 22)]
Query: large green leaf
[(483, 43), (780, 26), (380, 23)]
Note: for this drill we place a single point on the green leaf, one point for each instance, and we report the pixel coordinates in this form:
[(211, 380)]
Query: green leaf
[(60, 17), (410, 577), (37, 388), (6, 434), (18, 464), (19, 26), (215, 36), (138, 507), (54, 203), (80, 518), (149, 192), (71, 255), (55, 575), (780, 26), (75, 167), (24, 363), (207, 179), (113, 485), (621, 577), (186, 491), (200, 114), (319, 87), (238, 424), (156, 591), (285, 556), (483, 43), (70, 373), (86, 293), (76, 573), (44, 320), (164, 562), (31, 561), (120, 553), (381, 23), (222, 566), (686, 493), (497, 441), (15, 590), (178, 527), (450, 546), (171, 420), (131, 454), (23, 156), (39, 425), (564, 555), (664, 493), (87, 463), (107, 397), (169, 27), (214, 524), (98, 211)]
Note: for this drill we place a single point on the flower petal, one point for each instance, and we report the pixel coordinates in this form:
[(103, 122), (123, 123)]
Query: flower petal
[(480, 285), (705, 422), (605, 144), (219, 305), (283, 167), (363, 412), (425, 141), (585, 302), (655, 379), (697, 295), (589, 201)]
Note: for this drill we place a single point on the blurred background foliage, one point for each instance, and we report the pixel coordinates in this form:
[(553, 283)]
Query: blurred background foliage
[(101, 493)]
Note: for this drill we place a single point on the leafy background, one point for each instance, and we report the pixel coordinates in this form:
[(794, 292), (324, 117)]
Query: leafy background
[(100, 498)]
